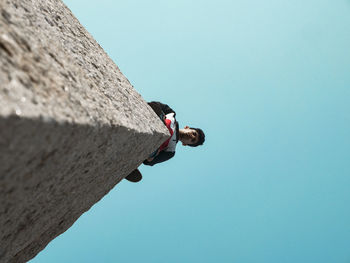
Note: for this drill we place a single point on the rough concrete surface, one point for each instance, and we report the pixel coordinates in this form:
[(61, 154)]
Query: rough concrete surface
[(71, 125)]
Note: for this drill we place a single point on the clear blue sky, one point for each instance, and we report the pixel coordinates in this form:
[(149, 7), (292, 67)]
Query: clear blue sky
[(269, 83)]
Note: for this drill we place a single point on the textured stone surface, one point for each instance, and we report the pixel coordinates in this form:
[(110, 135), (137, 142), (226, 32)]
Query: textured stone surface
[(71, 125)]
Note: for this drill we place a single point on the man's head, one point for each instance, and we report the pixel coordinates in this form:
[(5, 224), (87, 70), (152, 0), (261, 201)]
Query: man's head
[(191, 136)]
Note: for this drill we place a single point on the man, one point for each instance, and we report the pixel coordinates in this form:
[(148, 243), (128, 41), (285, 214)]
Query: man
[(188, 136)]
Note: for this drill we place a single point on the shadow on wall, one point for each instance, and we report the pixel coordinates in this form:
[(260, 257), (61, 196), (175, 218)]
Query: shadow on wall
[(51, 173)]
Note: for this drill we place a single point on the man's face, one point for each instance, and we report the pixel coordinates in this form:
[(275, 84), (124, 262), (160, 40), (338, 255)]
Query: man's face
[(189, 136)]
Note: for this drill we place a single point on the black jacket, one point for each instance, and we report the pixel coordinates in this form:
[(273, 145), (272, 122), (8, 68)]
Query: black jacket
[(161, 110)]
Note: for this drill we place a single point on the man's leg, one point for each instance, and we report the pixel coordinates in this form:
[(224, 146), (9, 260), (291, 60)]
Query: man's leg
[(135, 176)]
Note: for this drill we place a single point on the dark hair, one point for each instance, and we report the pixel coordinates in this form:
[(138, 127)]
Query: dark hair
[(201, 137)]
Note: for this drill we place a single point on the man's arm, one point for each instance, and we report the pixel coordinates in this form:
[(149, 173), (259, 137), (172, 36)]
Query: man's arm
[(164, 107), (161, 157)]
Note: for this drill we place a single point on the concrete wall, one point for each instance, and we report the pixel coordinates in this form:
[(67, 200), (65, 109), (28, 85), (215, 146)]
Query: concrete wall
[(71, 125)]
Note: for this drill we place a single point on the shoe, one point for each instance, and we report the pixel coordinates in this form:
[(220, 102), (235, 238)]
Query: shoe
[(135, 176)]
